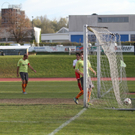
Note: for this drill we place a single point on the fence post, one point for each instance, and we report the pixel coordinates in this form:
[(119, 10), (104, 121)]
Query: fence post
[(134, 48), (69, 50)]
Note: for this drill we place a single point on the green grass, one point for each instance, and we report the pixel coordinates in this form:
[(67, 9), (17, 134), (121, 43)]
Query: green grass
[(34, 119), (101, 122), (51, 65), (42, 119), (38, 90), (45, 65)]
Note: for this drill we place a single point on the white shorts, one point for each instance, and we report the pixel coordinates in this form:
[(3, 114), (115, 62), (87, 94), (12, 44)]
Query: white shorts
[(89, 83)]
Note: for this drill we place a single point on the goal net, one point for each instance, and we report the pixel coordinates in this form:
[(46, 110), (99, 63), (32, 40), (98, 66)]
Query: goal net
[(110, 85)]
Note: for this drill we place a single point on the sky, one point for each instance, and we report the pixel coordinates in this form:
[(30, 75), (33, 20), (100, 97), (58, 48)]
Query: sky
[(55, 9)]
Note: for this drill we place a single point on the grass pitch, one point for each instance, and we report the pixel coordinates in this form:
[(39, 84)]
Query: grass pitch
[(52, 65), (17, 118)]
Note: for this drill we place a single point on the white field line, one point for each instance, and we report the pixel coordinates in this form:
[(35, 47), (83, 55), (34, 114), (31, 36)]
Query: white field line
[(13, 121), (67, 122), (31, 122)]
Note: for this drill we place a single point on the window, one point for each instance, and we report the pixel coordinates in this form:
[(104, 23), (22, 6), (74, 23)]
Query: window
[(91, 38), (112, 19), (2, 39), (132, 37)]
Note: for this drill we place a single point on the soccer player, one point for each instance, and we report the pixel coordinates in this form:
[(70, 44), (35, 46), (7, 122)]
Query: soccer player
[(76, 74), (79, 65), (22, 68)]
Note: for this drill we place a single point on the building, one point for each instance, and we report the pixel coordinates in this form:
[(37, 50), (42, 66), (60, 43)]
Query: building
[(12, 9), (124, 25), (9, 15), (61, 36), (121, 24)]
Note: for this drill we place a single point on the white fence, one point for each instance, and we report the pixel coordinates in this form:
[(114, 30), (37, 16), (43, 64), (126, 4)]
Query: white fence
[(53, 49), (125, 49), (117, 49), (61, 48)]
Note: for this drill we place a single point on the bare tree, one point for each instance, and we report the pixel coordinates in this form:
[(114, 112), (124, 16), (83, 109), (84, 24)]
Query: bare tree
[(2, 30), (18, 25), (0, 21)]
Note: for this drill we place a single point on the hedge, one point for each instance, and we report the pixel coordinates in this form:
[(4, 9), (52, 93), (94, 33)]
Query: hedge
[(66, 43)]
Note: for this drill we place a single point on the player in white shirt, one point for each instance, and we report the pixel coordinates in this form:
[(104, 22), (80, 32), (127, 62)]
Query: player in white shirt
[(76, 74)]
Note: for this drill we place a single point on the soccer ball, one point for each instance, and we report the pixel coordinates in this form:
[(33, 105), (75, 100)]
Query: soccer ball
[(127, 101)]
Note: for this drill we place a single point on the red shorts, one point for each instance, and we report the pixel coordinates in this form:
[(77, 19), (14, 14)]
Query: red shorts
[(77, 75)]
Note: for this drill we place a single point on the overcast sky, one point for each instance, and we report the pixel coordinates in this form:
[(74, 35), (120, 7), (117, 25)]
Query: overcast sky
[(63, 8)]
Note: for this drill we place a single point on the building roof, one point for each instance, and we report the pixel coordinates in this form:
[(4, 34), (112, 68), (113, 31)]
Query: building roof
[(63, 30)]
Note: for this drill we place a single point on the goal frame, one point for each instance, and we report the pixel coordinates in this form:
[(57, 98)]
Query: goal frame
[(86, 31)]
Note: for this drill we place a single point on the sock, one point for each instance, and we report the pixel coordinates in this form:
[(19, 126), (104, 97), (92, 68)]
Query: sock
[(79, 94), (23, 87), (89, 94), (80, 87)]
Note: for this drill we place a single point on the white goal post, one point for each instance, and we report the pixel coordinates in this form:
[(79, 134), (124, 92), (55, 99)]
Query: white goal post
[(85, 45)]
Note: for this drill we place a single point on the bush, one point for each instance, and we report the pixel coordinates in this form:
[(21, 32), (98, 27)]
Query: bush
[(128, 43), (64, 44), (4, 44)]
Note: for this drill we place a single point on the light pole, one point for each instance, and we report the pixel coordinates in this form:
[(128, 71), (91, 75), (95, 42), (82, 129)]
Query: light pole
[(67, 19)]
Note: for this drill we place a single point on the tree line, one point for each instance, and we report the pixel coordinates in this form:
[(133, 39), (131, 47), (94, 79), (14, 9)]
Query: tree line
[(49, 26), (20, 26)]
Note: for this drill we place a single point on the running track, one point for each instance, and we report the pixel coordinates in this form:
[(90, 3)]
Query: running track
[(55, 79)]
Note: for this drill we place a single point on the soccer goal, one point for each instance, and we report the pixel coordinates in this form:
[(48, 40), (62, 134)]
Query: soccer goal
[(110, 85)]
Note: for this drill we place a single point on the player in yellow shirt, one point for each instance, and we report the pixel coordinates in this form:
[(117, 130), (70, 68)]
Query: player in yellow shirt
[(22, 68), (76, 74), (79, 65)]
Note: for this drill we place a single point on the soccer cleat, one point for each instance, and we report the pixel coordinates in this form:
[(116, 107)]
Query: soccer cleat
[(24, 93), (89, 103), (76, 100)]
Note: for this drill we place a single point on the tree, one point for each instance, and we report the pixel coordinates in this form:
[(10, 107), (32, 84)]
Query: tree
[(55, 25), (44, 23), (0, 27), (0, 20), (62, 23), (19, 25), (48, 26), (2, 30), (37, 22)]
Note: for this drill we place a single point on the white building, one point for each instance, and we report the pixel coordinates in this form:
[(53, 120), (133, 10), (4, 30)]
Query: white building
[(121, 24), (61, 36), (124, 25)]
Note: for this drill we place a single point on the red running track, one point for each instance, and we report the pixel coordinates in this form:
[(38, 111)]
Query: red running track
[(38, 79), (55, 79)]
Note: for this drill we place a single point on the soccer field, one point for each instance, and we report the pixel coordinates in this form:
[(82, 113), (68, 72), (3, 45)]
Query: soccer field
[(49, 105)]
